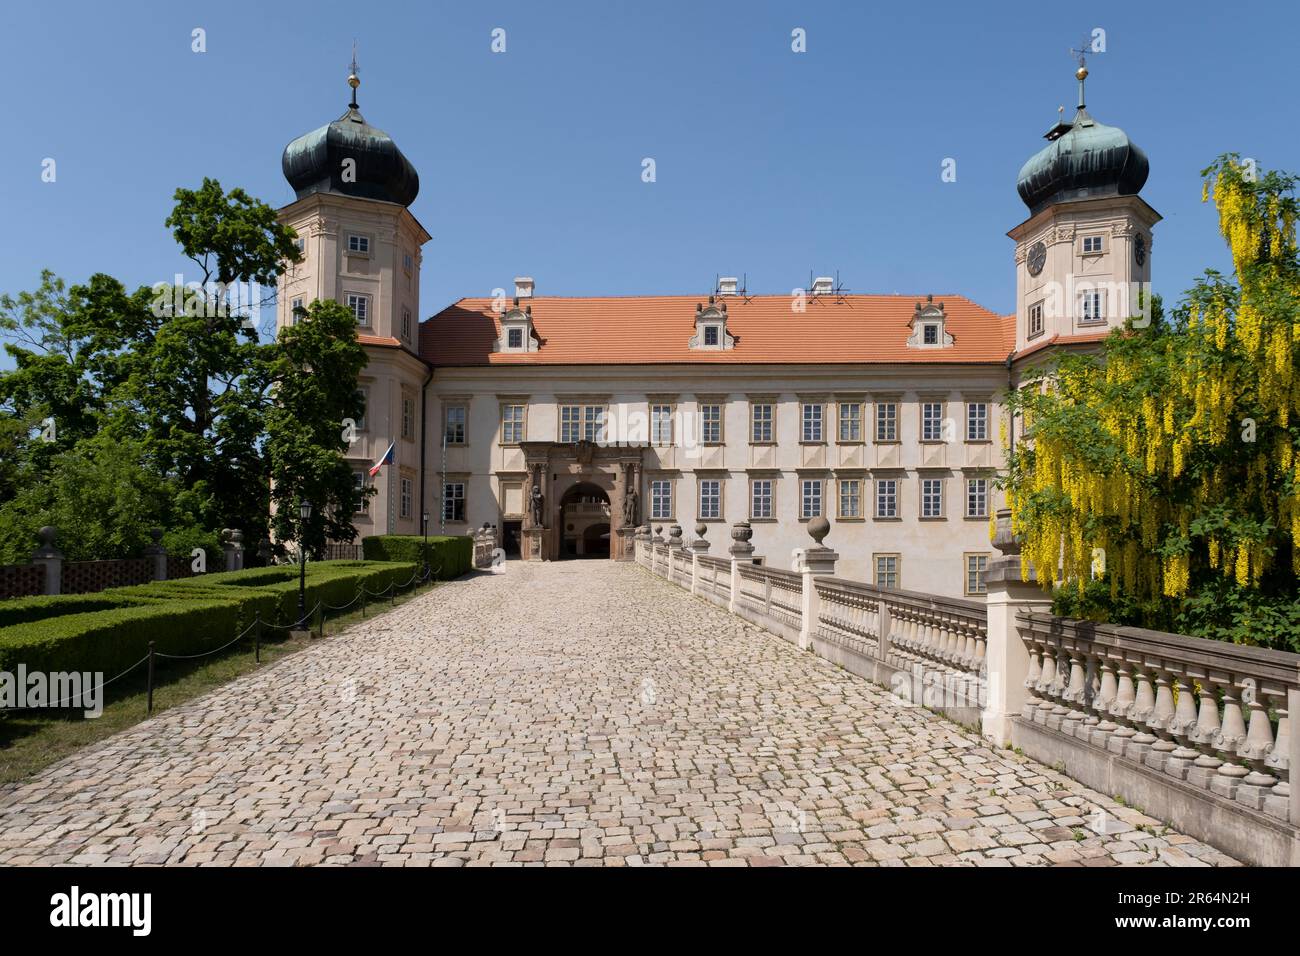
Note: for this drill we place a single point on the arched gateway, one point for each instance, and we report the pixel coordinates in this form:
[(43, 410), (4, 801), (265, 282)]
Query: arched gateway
[(583, 500)]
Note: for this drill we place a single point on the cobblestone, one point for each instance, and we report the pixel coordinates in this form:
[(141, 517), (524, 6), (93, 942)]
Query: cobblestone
[(571, 713)]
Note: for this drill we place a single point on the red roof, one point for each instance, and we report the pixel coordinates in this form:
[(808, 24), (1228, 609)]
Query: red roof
[(655, 330)]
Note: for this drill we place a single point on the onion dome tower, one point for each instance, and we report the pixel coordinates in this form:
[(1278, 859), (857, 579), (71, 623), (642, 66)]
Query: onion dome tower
[(349, 157), (1083, 257)]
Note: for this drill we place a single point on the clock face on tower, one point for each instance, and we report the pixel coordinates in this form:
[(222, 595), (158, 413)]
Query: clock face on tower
[(1140, 249), (1037, 256)]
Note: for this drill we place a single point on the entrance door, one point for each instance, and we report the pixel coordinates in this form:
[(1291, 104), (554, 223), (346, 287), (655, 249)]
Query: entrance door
[(511, 531), (584, 522)]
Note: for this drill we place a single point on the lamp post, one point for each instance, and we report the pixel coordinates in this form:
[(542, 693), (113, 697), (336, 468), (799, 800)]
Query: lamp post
[(304, 513), (425, 552)]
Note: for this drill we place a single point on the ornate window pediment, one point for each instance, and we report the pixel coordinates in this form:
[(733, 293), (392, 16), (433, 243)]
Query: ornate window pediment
[(929, 326), (517, 332), (711, 333)]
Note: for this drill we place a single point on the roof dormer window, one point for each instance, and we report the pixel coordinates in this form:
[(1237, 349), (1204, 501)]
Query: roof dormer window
[(711, 327), (929, 326), (517, 333)]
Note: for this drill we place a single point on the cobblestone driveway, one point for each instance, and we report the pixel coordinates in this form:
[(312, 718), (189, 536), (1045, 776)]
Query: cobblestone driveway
[(571, 713)]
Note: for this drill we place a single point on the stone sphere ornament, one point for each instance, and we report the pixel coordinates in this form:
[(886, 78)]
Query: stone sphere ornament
[(819, 528)]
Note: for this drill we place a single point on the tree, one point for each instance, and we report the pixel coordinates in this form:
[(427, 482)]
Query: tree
[(1158, 481), (170, 390), (314, 369)]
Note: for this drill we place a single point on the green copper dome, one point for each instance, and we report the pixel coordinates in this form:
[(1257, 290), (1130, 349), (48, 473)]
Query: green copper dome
[(1084, 159), (317, 162)]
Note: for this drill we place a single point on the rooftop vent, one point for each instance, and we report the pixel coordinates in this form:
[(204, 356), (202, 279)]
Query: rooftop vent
[(728, 285), (823, 285), (523, 287)]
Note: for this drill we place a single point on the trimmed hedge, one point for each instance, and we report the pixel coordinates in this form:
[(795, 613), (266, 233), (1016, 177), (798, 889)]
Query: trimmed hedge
[(450, 556), (111, 630)]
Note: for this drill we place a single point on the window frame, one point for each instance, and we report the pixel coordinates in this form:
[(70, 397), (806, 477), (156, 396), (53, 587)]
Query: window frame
[(769, 422), (841, 489), (661, 420), (454, 500), (406, 495), (1084, 242), (983, 496), (715, 499), (818, 485), (508, 424), (982, 420), (361, 246), (854, 421), (406, 323), (705, 423), (980, 570), (812, 423), (890, 420), (927, 422), (926, 480), (1034, 324), (447, 410), (895, 492), (769, 497), (896, 571), (352, 300), (657, 496), (1092, 300), (359, 476)]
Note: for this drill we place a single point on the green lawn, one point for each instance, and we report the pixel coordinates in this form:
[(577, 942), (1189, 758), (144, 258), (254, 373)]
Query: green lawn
[(32, 740)]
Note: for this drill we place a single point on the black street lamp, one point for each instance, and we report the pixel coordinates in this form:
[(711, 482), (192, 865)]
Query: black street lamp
[(425, 552), (304, 512)]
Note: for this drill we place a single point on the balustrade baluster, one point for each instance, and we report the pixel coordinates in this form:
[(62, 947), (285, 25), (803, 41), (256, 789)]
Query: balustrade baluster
[(1231, 736), (1179, 761), (1122, 708)]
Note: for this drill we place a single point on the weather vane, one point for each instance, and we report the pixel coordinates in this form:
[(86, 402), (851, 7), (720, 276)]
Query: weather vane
[(354, 80), (1081, 73)]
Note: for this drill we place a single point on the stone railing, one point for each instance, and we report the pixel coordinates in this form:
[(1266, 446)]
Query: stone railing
[(485, 544), (1195, 732), (1216, 716)]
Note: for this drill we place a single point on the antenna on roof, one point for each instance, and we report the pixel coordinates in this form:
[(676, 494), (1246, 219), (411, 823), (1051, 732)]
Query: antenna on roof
[(826, 285), (730, 286)]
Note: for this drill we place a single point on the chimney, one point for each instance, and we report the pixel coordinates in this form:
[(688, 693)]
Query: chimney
[(523, 287), (823, 285), (728, 285)]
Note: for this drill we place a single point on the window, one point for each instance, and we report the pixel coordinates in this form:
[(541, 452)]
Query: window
[(930, 334), (977, 421), (360, 306), (408, 417), (810, 498), (582, 423), (977, 497), (1093, 307), (886, 566), (408, 261), (1036, 319), (760, 498), (850, 498), (359, 482), (812, 423), (295, 307), (515, 338), (359, 244), (406, 498), (710, 498), (406, 323), (1091, 245), (453, 501), (931, 497), (850, 422), (761, 420), (886, 497), (300, 245), (454, 426), (976, 566), (886, 421), (710, 335), (711, 424), (932, 421), (661, 498), (661, 424), (512, 424)]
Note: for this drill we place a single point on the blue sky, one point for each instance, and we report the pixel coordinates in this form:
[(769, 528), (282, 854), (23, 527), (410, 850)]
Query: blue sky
[(769, 163)]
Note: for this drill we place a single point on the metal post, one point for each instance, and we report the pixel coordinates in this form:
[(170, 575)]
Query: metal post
[(302, 582), (257, 636), (150, 678)]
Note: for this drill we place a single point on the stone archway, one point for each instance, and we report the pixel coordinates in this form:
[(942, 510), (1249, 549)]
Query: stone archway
[(609, 475), (584, 517)]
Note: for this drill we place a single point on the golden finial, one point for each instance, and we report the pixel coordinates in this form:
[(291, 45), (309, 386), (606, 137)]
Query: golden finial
[(353, 79), (1081, 73)]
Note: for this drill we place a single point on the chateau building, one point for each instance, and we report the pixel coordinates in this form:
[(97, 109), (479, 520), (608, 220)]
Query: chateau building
[(568, 422)]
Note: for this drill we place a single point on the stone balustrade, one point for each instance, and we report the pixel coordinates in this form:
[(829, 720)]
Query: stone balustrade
[(1214, 715), (1195, 732), (485, 544)]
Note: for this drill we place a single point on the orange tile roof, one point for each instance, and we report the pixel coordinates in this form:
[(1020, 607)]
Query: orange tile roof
[(1083, 338), (655, 330)]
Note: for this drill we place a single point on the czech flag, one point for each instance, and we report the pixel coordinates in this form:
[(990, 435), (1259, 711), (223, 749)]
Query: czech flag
[(387, 459)]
